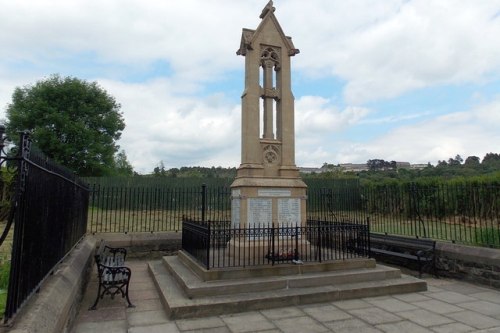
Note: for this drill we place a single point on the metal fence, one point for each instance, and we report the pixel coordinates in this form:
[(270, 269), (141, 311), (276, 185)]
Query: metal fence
[(464, 213), (218, 245), (154, 209), (49, 210)]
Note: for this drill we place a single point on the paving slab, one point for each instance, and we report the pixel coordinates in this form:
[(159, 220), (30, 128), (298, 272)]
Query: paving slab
[(475, 319), (453, 328), (489, 295), (199, 323), (425, 318), (392, 305), (403, 326), (350, 326), (300, 325), (160, 328), (116, 326), (352, 304), (247, 322), (483, 307), (212, 330), (451, 297), (442, 309), (413, 297), (324, 313), (280, 313), (439, 307), (375, 315), (463, 287), (145, 318)]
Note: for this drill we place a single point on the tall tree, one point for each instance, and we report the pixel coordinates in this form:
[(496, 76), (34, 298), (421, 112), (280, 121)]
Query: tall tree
[(122, 165), (74, 122), (472, 161)]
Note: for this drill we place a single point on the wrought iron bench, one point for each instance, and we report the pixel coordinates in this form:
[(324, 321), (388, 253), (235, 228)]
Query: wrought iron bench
[(113, 276), (419, 250)]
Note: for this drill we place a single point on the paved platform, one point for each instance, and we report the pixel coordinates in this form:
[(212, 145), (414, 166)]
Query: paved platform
[(447, 306)]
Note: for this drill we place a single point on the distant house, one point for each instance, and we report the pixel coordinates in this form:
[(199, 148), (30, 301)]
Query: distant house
[(418, 166), (352, 167), (358, 167), (403, 165), (308, 170)]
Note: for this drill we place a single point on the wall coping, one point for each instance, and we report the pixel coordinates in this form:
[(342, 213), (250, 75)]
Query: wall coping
[(49, 309), (480, 255)]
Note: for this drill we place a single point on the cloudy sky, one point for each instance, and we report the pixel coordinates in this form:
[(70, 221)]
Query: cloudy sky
[(404, 80)]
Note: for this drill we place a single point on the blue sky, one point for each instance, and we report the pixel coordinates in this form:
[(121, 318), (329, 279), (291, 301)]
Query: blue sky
[(415, 81)]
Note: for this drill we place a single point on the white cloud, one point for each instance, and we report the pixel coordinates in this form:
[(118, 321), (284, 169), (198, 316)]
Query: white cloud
[(177, 130), (316, 115), (317, 122), (474, 132), (380, 49), (386, 48)]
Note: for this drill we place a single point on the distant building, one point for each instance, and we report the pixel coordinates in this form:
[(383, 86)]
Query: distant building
[(351, 167), (418, 166), (308, 170), (358, 167), (403, 165)]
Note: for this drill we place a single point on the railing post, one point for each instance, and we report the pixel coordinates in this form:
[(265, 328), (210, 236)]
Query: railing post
[(296, 252), (273, 253), (203, 201), (319, 241), (368, 237), (209, 234)]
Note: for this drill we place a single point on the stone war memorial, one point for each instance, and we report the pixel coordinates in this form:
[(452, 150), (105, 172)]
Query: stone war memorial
[(269, 255), (267, 190)]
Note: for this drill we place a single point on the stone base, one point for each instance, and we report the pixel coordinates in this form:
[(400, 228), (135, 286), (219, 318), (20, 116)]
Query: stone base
[(187, 290), (258, 251)]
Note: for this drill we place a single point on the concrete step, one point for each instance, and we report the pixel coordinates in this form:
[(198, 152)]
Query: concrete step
[(178, 305), (231, 273), (193, 286)]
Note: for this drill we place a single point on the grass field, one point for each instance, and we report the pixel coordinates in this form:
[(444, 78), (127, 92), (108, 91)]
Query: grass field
[(5, 253)]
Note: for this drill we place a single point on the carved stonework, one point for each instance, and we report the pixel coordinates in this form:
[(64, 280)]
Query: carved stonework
[(270, 57), (271, 154), (272, 93)]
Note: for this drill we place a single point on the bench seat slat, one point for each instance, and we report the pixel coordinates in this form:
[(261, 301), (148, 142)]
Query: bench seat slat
[(415, 249)]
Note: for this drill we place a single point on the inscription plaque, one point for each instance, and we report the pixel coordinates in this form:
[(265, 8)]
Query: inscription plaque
[(260, 211), (235, 212), (288, 211), (270, 192)]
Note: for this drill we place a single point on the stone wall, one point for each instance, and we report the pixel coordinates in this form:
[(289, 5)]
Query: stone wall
[(145, 244), (474, 264), (55, 306)]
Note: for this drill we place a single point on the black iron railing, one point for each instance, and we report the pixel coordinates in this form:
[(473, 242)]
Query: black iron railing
[(467, 213), (49, 211), (139, 208), (219, 245)]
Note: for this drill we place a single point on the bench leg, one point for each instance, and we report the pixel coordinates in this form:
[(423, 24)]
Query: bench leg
[(94, 306), (419, 268), (130, 305)]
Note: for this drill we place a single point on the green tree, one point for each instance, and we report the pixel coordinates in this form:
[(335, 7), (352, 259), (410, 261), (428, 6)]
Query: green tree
[(122, 165), (159, 170), (72, 121), (472, 161), (455, 161)]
